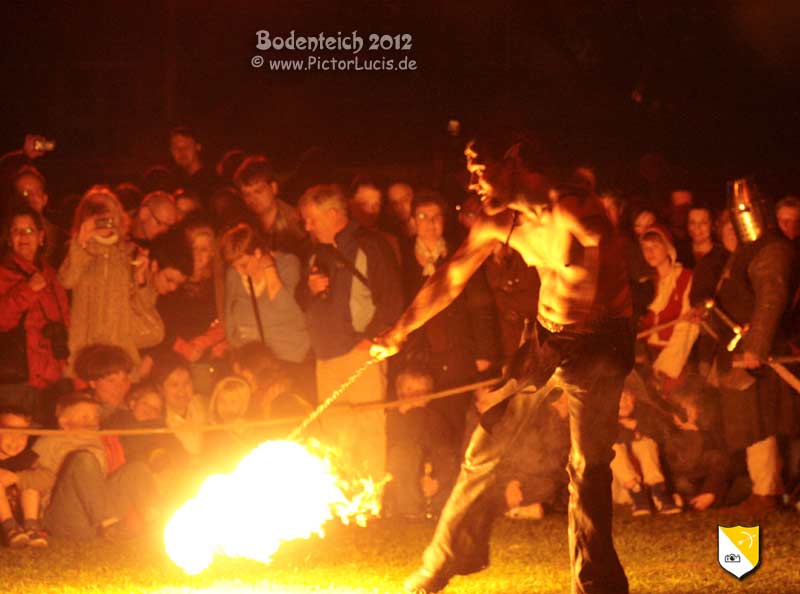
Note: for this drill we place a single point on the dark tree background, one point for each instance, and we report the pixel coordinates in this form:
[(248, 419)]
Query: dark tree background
[(712, 85)]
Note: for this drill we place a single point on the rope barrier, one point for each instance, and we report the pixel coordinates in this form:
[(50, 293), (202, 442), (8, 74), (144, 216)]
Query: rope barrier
[(341, 408)]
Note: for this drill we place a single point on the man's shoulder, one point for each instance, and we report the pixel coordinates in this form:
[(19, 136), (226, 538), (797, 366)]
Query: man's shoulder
[(286, 260), (370, 239)]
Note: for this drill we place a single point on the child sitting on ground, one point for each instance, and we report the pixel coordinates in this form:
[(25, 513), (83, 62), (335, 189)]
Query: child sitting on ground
[(16, 492), (229, 404), (694, 450), (183, 407), (636, 446), (106, 369), (422, 455), (86, 499), (533, 477), (144, 410)]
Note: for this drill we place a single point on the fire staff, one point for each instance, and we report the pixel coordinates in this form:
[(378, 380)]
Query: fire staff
[(583, 340)]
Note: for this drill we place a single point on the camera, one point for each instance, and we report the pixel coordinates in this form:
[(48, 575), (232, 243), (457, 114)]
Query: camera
[(44, 145), (104, 223), (733, 558), (57, 334)]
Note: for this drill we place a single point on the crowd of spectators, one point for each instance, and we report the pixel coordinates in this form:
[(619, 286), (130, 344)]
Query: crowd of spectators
[(199, 296)]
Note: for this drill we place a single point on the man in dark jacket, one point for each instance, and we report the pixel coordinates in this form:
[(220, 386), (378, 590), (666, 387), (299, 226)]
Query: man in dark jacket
[(352, 294)]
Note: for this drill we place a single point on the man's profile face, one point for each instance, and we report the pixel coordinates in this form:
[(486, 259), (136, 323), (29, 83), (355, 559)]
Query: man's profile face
[(259, 196), (31, 189), (321, 223), (185, 150), (789, 221), (157, 219)]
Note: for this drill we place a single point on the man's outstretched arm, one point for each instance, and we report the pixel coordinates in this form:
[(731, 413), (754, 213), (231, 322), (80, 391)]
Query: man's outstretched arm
[(439, 291)]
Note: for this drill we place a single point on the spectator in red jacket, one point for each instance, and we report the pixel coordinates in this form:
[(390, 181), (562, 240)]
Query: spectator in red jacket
[(34, 315)]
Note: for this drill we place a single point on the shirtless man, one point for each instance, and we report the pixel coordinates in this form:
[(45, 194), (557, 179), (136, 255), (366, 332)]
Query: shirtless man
[(582, 340)]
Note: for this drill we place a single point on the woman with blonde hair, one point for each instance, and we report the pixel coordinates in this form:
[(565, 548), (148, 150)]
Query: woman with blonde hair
[(229, 405), (100, 272)]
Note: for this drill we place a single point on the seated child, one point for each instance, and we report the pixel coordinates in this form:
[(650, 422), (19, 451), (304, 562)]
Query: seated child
[(17, 491), (422, 455), (636, 464), (229, 404), (183, 408), (106, 369), (145, 410), (694, 450), (534, 477), (87, 499)]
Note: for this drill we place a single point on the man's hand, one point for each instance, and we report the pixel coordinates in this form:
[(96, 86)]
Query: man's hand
[(141, 266), (145, 366), (30, 144), (429, 485), (513, 494), (386, 345), (37, 282), (318, 283), (482, 365), (7, 478), (750, 360), (703, 501)]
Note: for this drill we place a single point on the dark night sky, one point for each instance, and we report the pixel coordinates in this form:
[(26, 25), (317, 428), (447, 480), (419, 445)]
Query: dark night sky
[(717, 80)]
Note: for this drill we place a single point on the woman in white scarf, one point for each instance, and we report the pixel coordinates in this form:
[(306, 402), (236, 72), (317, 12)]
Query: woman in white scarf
[(430, 246), (671, 301)]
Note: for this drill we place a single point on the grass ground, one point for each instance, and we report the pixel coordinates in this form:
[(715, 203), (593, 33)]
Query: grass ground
[(662, 555)]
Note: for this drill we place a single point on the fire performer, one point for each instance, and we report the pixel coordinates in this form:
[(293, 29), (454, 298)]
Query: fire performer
[(583, 341)]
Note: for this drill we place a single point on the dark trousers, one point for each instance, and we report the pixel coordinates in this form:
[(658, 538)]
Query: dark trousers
[(592, 367)]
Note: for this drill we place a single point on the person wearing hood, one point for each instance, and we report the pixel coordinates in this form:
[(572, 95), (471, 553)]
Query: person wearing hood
[(670, 347)]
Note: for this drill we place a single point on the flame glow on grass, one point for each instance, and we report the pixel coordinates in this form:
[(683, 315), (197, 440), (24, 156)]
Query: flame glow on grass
[(280, 491)]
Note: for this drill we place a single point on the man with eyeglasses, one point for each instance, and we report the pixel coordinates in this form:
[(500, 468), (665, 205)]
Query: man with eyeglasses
[(156, 215)]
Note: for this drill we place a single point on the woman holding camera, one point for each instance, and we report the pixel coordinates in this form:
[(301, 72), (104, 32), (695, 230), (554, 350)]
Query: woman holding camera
[(34, 314), (102, 274)]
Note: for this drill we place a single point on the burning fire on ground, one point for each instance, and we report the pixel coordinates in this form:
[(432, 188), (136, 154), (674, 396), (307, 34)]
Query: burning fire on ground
[(280, 491)]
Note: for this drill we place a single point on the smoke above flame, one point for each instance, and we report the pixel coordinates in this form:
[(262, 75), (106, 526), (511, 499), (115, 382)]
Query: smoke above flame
[(280, 491)]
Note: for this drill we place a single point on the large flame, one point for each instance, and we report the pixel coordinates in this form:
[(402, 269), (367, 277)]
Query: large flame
[(281, 491)]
